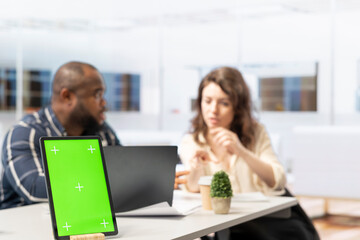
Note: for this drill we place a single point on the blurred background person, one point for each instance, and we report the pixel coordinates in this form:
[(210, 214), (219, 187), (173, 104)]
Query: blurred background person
[(225, 136)]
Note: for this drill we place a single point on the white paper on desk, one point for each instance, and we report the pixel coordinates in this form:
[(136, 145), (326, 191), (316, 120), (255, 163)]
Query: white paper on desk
[(159, 209), (250, 197)]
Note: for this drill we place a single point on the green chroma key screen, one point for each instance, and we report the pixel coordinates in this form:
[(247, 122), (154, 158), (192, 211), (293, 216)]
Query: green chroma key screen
[(79, 188)]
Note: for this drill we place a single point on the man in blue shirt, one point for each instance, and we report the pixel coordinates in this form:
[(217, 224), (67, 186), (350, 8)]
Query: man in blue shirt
[(77, 109)]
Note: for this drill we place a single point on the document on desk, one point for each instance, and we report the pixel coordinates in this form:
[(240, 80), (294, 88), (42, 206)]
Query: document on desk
[(250, 197), (159, 209)]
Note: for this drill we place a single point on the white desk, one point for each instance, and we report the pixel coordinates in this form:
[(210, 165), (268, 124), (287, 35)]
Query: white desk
[(33, 222)]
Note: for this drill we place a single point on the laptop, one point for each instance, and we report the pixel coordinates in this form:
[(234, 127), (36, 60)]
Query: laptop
[(140, 176)]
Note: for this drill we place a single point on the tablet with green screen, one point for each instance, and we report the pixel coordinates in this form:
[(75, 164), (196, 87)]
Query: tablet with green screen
[(77, 185)]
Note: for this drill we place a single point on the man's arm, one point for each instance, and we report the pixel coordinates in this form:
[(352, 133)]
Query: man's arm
[(22, 164), (179, 180)]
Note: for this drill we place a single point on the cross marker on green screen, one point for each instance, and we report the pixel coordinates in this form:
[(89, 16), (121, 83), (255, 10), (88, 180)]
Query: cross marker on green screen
[(91, 149), (104, 223), (66, 226), (79, 187), (54, 150)]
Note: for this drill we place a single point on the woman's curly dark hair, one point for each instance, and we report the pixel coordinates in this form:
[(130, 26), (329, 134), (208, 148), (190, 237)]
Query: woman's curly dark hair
[(232, 83)]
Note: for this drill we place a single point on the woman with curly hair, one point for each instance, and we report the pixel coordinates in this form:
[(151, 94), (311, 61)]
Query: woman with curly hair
[(226, 136)]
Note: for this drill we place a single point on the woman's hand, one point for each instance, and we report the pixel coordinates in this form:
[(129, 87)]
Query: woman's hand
[(230, 141), (200, 157), (227, 139)]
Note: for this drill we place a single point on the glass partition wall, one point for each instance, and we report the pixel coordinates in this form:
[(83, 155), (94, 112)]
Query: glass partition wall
[(153, 60)]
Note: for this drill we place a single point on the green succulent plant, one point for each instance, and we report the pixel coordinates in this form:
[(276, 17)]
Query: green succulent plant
[(220, 185)]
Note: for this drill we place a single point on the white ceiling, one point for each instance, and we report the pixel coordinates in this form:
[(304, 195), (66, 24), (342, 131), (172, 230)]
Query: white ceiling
[(125, 14)]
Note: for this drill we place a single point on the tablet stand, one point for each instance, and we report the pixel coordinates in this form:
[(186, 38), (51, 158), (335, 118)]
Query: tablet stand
[(95, 236)]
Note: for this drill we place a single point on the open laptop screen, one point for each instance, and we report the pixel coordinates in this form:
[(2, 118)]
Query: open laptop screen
[(140, 176)]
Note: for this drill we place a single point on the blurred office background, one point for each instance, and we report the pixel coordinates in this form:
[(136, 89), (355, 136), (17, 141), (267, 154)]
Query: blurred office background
[(299, 57)]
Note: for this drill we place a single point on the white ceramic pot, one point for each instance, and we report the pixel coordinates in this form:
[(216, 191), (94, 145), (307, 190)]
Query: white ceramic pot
[(221, 205)]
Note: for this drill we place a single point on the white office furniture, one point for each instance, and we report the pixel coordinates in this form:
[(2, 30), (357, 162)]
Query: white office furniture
[(326, 161), (147, 137), (33, 222)]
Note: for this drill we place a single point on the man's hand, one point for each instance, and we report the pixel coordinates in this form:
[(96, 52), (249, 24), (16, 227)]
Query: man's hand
[(179, 180)]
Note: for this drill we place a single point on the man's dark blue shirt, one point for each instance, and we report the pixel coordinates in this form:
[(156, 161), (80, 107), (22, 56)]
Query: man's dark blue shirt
[(22, 179)]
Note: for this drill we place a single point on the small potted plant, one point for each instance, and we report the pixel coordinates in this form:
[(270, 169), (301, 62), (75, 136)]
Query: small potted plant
[(220, 192)]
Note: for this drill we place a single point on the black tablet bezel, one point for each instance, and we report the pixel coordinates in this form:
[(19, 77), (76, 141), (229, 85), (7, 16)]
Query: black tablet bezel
[(49, 192)]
